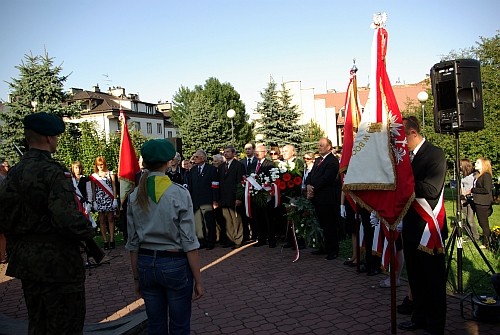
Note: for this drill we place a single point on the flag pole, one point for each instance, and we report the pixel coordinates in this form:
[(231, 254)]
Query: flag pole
[(392, 275)]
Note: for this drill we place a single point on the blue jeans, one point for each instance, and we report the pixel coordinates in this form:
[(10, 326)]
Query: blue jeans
[(167, 286)]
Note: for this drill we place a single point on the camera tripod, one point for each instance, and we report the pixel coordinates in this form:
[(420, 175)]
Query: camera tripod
[(456, 236)]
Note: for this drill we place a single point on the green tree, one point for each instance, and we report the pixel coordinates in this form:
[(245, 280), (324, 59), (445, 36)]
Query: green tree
[(38, 88), (278, 117), (200, 115), (312, 134)]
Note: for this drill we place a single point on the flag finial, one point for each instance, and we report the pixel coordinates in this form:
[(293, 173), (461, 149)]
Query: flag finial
[(354, 69), (379, 20)]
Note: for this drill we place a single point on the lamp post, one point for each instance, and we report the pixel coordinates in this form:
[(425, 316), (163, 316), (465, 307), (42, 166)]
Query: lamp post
[(422, 97), (231, 114)]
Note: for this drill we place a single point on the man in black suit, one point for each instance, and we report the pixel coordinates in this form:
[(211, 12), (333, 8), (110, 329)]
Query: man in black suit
[(426, 271), (250, 159), (320, 185), (250, 163), (230, 177), (262, 214), (204, 188)]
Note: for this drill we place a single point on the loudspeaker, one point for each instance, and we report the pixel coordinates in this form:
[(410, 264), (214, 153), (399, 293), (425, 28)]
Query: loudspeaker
[(457, 91)]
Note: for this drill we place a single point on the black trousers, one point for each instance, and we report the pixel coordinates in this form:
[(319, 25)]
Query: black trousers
[(328, 220), (265, 225), (372, 262), (482, 214), (426, 275)]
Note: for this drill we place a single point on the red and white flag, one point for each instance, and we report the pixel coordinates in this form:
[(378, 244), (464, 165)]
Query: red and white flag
[(379, 175), (351, 125), (128, 166)]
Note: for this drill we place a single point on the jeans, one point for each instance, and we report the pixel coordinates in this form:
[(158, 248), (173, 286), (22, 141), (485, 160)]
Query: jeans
[(166, 284)]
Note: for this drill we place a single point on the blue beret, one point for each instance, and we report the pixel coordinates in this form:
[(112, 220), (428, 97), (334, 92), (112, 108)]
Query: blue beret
[(44, 124), (157, 151)]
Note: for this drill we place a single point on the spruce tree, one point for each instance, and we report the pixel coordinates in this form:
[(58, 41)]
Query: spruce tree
[(38, 88), (278, 117)]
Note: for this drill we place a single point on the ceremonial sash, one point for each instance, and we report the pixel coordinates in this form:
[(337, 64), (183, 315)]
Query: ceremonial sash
[(434, 218), (102, 184)]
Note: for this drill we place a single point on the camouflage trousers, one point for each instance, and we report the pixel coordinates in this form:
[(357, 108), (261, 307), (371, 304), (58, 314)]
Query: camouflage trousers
[(54, 308)]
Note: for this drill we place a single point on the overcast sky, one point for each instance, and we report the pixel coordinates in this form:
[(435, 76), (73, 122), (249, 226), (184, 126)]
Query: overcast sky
[(152, 47)]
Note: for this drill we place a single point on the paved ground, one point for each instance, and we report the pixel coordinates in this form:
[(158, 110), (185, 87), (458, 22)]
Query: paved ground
[(249, 291)]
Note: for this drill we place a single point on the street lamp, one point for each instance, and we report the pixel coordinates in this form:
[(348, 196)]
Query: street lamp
[(231, 114), (422, 97)]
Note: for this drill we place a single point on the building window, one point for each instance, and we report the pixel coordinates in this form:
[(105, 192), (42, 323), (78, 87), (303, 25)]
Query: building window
[(134, 125), (149, 128), (158, 128), (169, 134), (149, 109), (135, 108)]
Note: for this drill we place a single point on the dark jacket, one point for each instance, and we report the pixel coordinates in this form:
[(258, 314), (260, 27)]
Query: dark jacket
[(229, 181), (204, 187), (482, 190), (323, 178), (41, 218)]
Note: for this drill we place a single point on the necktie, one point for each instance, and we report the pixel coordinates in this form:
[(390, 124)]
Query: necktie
[(199, 170), (226, 167), (412, 155), (258, 168), (320, 160), (249, 162)]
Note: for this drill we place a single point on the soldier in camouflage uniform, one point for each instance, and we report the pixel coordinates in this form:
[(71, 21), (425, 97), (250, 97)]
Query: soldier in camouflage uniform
[(41, 219)]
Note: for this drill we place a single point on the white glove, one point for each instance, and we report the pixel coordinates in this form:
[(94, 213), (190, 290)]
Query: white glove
[(94, 205), (374, 219), (115, 204), (399, 227), (88, 207), (342, 211)]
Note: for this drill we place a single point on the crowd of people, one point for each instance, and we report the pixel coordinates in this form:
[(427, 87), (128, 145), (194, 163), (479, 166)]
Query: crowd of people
[(180, 206)]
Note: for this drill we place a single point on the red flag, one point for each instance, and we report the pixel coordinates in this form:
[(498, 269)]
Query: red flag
[(379, 174), (128, 166), (351, 124)]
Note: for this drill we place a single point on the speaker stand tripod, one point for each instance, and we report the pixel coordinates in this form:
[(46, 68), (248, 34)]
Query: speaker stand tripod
[(456, 236)]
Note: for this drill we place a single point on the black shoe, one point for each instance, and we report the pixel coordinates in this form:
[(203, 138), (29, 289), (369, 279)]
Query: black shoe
[(229, 245), (288, 245), (409, 325), (318, 252), (406, 308), (236, 246), (106, 245), (362, 269), (210, 246), (259, 244), (373, 272), (331, 257), (112, 245)]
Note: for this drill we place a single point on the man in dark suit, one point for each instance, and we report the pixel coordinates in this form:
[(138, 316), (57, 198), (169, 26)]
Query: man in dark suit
[(262, 214), (250, 163), (320, 185), (204, 188), (426, 271), (230, 176)]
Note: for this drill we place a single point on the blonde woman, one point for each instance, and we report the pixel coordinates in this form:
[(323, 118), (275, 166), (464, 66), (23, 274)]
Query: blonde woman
[(163, 245), (483, 199), (103, 196)]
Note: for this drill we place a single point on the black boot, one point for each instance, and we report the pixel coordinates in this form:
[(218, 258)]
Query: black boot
[(112, 244), (106, 245)]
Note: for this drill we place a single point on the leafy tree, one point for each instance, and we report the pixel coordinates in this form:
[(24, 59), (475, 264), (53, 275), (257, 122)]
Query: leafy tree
[(39, 82), (279, 118), (483, 142), (200, 115)]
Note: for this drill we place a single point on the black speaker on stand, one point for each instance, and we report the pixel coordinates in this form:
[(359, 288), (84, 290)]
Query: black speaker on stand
[(457, 91), (458, 107)]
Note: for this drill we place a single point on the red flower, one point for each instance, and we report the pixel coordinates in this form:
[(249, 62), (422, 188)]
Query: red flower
[(286, 177), (282, 185), (297, 180), (291, 184)]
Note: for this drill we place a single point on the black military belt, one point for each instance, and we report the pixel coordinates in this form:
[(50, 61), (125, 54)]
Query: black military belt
[(161, 253)]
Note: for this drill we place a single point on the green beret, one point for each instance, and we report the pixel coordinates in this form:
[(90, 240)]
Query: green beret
[(157, 151), (44, 124)]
